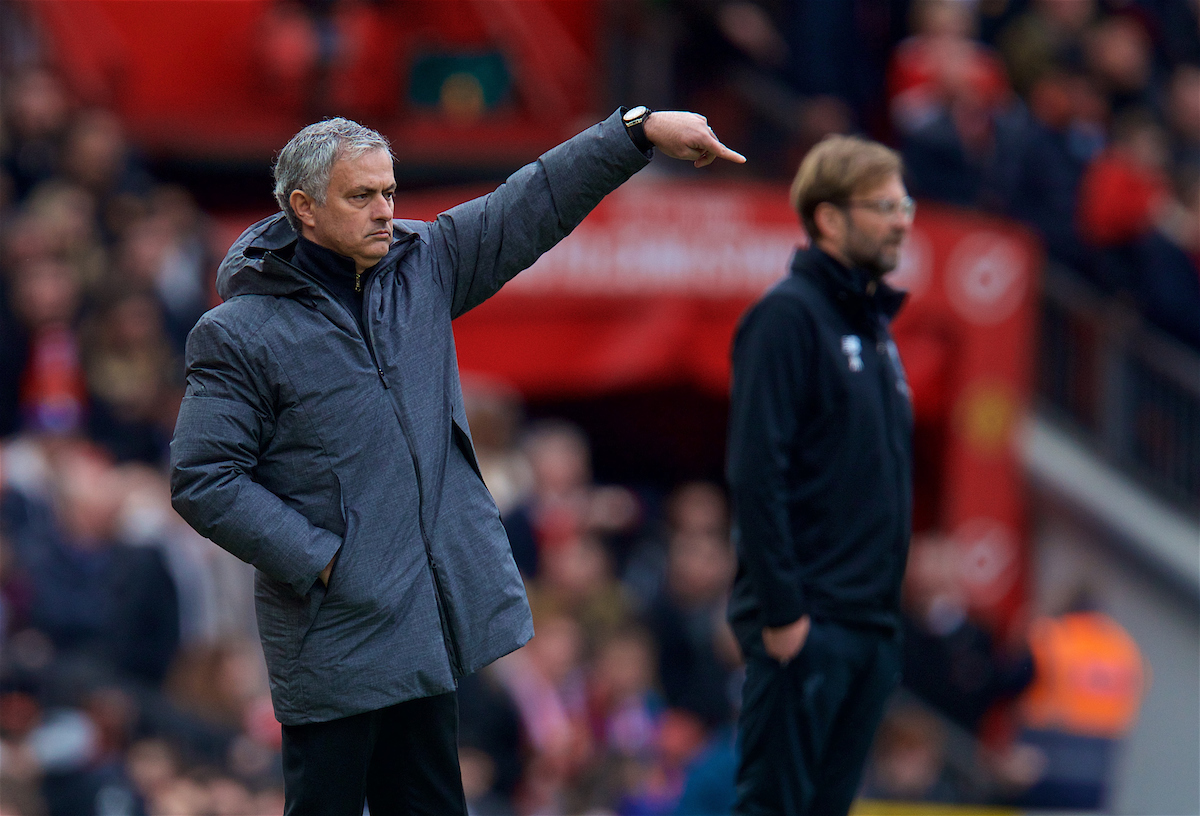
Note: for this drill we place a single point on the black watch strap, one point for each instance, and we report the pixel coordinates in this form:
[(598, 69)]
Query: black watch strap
[(635, 125)]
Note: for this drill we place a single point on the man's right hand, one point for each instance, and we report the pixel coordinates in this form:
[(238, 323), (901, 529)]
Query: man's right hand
[(785, 642), (685, 135), (325, 573)]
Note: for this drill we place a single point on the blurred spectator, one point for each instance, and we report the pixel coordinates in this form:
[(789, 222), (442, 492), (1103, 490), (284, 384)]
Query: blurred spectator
[(908, 759), (945, 92), (1183, 114), (490, 746), (133, 376), (839, 51), (97, 157), (708, 783), (165, 251), (696, 649), (93, 597), (1048, 37), (546, 681), (735, 59), (219, 682), (494, 414), (564, 503), (35, 120), (951, 662), (68, 214), (577, 578), (622, 700), (656, 784), (1118, 53), (1044, 149), (1084, 699), (1121, 195), (215, 588), (45, 294), (1169, 261)]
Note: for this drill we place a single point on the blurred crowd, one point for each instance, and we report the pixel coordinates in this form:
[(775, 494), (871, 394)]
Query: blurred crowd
[(1079, 118), (131, 681)]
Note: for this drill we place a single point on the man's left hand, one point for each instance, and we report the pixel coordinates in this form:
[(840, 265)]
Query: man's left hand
[(683, 135)]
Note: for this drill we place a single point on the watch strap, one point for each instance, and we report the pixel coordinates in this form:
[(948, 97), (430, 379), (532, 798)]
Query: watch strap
[(636, 128)]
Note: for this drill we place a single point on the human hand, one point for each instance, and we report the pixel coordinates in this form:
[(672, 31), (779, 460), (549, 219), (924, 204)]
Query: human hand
[(683, 135), (785, 642), (325, 573)]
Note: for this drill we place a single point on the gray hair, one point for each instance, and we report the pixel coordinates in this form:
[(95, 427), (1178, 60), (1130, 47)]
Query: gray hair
[(306, 161)]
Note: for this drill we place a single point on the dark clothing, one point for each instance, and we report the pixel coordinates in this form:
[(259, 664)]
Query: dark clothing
[(820, 471), (334, 273), (820, 452), (692, 675), (400, 760), (1168, 287), (807, 726), (958, 672), (110, 602)]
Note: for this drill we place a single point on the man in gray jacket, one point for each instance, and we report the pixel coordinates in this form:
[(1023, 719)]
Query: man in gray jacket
[(322, 438)]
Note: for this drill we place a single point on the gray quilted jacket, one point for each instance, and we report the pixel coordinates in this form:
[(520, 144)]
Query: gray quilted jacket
[(299, 438)]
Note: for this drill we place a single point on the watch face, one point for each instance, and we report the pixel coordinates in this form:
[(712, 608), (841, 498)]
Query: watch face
[(633, 114)]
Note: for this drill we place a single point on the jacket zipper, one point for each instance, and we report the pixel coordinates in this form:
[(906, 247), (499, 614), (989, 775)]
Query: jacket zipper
[(448, 638), (890, 381)]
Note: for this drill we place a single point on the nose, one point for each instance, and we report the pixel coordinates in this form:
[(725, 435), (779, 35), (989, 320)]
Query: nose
[(382, 208)]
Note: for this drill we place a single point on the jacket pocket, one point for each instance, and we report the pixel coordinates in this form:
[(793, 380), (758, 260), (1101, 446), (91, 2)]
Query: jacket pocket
[(465, 447), (284, 618)]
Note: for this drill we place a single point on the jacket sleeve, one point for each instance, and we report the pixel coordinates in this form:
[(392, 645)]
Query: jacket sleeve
[(770, 362), (481, 244), (225, 418)]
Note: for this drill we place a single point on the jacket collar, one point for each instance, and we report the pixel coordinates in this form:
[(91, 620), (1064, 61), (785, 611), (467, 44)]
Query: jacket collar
[(259, 261), (845, 284)]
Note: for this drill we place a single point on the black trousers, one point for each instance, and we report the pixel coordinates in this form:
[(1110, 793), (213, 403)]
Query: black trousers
[(806, 727), (401, 760)]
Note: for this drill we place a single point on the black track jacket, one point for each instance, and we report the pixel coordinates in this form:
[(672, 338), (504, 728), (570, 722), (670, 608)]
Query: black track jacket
[(820, 452)]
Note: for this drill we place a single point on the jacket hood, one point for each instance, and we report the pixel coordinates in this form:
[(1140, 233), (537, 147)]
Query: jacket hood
[(245, 270)]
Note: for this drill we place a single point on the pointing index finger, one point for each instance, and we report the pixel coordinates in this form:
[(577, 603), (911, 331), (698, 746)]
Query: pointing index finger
[(726, 153)]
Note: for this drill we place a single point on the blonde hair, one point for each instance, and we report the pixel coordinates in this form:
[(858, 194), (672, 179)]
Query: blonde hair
[(835, 169)]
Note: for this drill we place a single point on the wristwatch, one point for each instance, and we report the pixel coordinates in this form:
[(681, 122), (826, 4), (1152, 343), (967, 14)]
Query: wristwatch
[(635, 126)]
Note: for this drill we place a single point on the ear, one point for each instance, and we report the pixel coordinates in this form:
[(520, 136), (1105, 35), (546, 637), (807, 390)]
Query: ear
[(830, 219), (303, 205)]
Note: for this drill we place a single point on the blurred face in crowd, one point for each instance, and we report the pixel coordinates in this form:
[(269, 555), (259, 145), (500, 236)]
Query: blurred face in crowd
[(560, 461), (1184, 110), (89, 498), (45, 293), (624, 668), (868, 229), (356, 218), (1068, 15), (37, 105), (95, 150)]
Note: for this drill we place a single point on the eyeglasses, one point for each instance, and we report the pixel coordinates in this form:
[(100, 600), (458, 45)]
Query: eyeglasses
[(887, 207)]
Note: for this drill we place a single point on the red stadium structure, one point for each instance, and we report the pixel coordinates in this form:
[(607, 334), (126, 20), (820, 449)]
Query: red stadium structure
[(461, 81)]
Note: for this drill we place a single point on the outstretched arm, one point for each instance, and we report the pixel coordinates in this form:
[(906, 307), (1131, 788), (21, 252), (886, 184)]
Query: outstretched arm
[(483, 243)]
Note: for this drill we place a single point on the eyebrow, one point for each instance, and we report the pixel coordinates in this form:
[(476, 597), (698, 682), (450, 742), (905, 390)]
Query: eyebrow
[(363, 188)]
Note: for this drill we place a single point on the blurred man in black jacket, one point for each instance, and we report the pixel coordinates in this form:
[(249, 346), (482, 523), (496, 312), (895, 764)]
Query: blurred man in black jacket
[(820, 467)]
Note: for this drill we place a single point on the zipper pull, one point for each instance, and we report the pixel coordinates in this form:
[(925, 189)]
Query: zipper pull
[(382, 378)]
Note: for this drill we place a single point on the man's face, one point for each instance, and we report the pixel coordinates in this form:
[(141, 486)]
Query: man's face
[(872, 236), (356, 218)]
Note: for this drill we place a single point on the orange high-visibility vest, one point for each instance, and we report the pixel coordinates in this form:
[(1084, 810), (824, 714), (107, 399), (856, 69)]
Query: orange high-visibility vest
[(1088, 676)]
